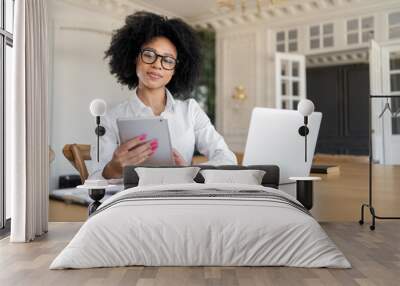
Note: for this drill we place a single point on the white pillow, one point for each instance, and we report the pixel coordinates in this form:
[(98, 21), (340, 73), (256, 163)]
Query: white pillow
[(162, 176), (248, 177)]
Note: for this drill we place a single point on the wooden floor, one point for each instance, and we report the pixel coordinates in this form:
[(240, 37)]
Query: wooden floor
[(339, 197), (375, 257)]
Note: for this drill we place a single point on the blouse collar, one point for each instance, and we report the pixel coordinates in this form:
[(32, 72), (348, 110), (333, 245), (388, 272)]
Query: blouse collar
[(139, 107)]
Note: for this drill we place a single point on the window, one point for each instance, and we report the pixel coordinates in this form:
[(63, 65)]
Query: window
[(287, 41), (280, 41), (6, 44), (290, 80), (322, 36), (394, 73), (394, 25), (292, 40), (360, 30), (9, 16)]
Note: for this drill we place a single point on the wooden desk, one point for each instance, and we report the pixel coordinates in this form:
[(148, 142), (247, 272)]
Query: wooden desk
[(201, 159)]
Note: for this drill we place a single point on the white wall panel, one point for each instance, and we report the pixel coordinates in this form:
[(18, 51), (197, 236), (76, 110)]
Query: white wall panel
[(79, 74)]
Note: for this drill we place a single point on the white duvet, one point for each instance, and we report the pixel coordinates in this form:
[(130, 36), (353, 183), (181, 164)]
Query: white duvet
[(200, 231)]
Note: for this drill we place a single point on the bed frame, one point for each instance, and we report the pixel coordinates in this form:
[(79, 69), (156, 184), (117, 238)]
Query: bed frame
[(304, 189), (131, 179), (270, 179)]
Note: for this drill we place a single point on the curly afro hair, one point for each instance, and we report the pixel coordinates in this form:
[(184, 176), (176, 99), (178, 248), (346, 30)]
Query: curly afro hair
[(142, 27)]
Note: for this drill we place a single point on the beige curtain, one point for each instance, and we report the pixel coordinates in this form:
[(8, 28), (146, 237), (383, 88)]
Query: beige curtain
[(28, 142)]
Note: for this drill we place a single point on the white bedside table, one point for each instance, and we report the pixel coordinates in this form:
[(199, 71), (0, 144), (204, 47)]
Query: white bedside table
[(304, 190)]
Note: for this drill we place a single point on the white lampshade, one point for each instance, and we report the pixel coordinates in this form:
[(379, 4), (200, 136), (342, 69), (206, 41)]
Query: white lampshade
[(305, 107), (98, 107)]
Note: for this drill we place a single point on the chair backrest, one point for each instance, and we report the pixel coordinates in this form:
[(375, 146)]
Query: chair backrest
[(76, 154)]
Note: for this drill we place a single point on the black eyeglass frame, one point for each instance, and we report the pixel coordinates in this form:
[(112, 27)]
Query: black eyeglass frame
[(156, 58)]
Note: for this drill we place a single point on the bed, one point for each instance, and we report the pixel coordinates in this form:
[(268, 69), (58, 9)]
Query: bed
[(198, 224)]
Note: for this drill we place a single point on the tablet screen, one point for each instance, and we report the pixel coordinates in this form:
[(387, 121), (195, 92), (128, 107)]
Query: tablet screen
[(154, 128)]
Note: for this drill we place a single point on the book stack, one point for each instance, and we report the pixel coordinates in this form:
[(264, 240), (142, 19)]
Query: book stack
[(325, 169)]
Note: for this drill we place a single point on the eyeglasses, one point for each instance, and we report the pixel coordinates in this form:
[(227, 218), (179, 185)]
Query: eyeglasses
[(150, 57)]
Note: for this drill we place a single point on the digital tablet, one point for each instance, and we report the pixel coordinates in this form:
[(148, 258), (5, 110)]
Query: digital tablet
[(155, 128)]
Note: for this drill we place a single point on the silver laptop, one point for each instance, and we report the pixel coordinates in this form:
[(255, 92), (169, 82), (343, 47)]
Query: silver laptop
[(274, 139)]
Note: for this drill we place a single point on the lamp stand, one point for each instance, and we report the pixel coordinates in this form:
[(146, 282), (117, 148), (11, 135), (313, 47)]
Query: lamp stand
[(96, 195), (304, 131), (100, 131)]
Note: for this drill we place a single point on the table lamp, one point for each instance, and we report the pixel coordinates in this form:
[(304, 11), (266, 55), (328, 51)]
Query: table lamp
[(305, 107), (96, 187)]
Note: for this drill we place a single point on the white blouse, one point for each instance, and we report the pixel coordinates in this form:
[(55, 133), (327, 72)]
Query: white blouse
[(189, 126)]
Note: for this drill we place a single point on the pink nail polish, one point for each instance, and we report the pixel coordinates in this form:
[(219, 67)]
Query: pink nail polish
[(154, 147), (142, 137)]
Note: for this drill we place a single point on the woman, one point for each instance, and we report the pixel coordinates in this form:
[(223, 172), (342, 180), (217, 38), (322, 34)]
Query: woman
[(158, 57)]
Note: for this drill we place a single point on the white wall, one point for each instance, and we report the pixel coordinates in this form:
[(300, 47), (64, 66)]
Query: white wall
[(245, 56), (78, 74)]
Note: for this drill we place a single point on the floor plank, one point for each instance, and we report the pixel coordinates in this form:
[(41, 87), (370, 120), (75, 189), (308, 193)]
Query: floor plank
[(375, 257)]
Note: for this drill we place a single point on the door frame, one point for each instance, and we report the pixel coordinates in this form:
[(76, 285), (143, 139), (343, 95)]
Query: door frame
[(383, 140)]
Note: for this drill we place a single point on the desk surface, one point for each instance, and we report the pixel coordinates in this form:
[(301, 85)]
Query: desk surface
[(305, 178), (202, 159)]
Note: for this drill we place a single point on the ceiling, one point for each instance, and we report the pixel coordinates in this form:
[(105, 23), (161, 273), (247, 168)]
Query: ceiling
[(182, 8), (205, 13), (198, 11)]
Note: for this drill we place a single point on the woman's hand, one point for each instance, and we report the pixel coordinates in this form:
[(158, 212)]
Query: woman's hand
[(179, 161), (132, 152)]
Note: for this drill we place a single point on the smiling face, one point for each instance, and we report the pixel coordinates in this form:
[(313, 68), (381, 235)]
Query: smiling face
[(155, 76)]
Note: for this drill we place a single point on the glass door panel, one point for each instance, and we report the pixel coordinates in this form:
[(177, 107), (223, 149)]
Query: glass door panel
[(290, 80)]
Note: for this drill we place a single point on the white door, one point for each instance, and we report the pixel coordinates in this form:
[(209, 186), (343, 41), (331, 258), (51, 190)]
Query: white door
[(375, 76), (290, 73), (385, 80), (391, 85)]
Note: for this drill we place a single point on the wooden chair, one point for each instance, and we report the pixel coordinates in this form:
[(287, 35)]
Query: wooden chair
[(76, 155)]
